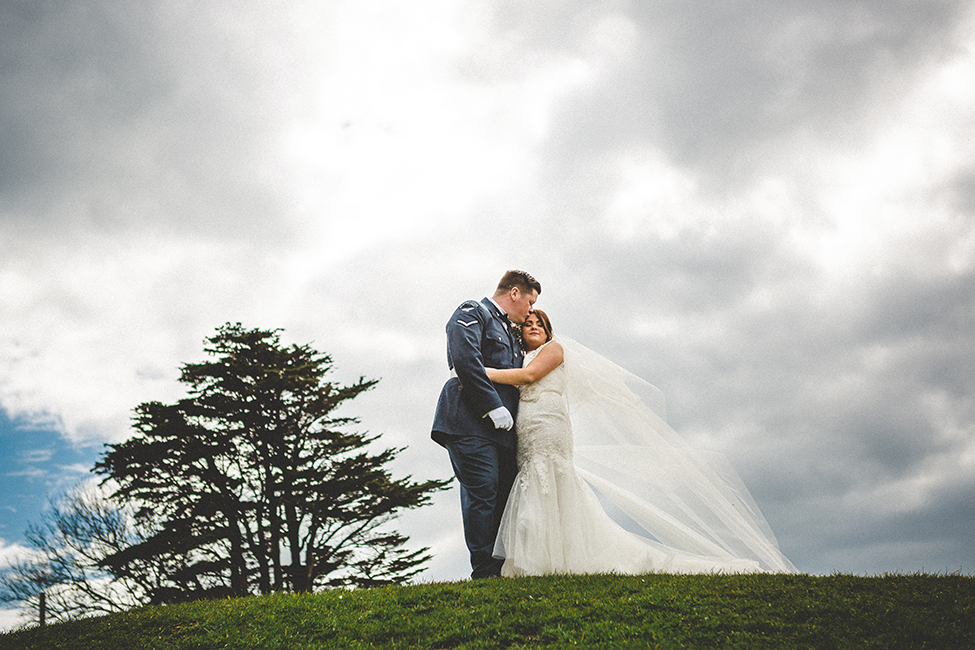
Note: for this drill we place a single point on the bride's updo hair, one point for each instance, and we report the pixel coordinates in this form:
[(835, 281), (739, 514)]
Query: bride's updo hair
[(546, 323)]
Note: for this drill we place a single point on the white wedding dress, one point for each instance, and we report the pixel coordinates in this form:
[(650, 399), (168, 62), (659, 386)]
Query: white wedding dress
[(604, 485)]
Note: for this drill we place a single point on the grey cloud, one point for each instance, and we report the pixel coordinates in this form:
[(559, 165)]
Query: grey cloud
[(73, 71), (910, 304), (954, 518), (721, 87), (934, 538), (960, 194), (118, 118), (695, 271)]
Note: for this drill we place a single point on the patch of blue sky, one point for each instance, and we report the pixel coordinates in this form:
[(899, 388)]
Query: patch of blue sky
[(36, 463)]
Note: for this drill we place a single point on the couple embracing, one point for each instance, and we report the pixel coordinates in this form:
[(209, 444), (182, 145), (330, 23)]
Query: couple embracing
[(565, 461)]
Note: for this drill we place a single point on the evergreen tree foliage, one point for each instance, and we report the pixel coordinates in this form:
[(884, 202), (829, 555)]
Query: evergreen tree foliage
[(252, 484)]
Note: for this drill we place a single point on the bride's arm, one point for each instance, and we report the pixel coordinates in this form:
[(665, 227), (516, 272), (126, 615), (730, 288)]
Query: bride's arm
[(547, 360)]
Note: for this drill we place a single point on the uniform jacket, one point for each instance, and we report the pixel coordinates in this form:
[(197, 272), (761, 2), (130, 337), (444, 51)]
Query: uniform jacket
[(479, 336)]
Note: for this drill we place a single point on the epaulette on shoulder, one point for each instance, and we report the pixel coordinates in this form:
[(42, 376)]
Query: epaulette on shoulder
[(467, 313)]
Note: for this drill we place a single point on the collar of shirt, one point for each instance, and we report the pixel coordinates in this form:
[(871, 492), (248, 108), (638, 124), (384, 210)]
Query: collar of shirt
[(504, 314)]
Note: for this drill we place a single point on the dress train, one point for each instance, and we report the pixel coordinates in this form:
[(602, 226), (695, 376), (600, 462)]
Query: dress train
[(605, 485)]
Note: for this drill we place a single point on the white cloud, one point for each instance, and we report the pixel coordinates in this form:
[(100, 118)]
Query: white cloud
[(11, 618), (10, 551)]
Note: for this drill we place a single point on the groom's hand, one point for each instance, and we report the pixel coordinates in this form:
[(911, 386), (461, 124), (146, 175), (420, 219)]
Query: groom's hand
[(502, 418)]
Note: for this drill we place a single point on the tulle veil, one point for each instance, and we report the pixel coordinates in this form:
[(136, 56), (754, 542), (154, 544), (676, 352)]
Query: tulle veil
[(648, 478)]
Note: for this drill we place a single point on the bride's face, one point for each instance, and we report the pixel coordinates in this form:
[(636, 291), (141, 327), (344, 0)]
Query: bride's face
[(533, 332)]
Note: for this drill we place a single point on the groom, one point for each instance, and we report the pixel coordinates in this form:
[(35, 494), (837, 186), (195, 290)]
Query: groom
[(475, 417)]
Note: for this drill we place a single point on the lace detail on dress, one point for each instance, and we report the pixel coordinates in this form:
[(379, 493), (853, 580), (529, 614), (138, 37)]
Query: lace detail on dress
[(544, 431), (552, 382)]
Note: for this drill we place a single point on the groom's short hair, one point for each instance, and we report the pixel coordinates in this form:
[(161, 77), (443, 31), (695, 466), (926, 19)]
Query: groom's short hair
[(521, 279)]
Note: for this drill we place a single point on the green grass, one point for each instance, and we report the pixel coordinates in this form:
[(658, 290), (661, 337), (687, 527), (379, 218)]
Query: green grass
[(653, 611)]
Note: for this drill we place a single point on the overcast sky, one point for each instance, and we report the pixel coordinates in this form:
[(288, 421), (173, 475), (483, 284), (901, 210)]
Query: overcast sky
[(765, 208)]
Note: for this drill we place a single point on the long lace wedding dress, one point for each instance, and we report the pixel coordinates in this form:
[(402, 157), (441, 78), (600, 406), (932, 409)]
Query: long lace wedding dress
[(605, 485)]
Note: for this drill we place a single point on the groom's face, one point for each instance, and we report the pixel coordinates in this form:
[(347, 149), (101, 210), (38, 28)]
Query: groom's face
[(521, 305)]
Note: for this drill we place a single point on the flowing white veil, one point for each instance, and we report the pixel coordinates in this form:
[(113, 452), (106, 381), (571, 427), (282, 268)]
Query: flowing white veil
[(648, 478)]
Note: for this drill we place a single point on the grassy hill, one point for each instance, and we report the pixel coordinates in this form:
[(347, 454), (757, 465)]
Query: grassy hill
[(652, 611)]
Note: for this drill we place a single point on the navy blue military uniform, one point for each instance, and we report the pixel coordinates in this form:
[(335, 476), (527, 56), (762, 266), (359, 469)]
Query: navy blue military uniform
[(479, 335)]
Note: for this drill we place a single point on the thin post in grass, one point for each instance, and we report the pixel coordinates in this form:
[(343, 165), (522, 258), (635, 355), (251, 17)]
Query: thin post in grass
[(42, 609)]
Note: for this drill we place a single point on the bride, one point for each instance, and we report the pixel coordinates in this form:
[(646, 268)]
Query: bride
[(605, 485)]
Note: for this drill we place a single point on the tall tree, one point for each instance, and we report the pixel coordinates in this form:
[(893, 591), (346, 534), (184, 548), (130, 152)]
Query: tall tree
[(251, 484)]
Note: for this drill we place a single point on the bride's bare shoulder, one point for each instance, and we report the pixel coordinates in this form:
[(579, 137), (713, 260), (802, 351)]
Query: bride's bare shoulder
[(551, 349)]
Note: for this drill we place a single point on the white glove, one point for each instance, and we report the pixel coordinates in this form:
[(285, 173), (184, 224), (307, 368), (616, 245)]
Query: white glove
[(502, 418)]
